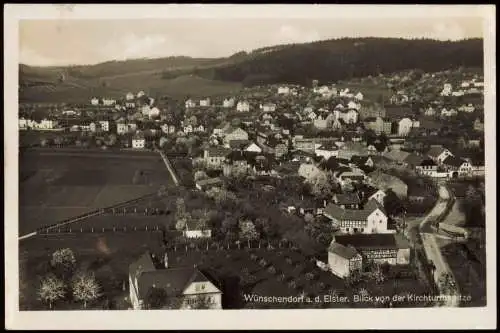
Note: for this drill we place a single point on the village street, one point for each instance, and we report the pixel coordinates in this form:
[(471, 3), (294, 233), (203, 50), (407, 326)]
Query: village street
[(432, 250)]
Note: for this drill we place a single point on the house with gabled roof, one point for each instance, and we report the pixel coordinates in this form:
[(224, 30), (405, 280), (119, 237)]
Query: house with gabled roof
[(457, 166), (389, 248), (371, 219), (349, 200), (438, 154), (385, 182), (215, 156), (187, 285), (343, 260)]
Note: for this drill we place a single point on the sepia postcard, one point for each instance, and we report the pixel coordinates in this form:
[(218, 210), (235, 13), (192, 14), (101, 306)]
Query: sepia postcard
[(273, 166)]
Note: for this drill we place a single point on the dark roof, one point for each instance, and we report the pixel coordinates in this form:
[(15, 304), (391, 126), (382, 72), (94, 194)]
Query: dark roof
[(372, 241), (435, 151), (359, 160), (346, 198), (218, 151), (395, 112), (414, 159), (143, 264), (173, 280), (238, 144), (351, 214), (347, 252), (453, 161), (209, 181), (428, 162)]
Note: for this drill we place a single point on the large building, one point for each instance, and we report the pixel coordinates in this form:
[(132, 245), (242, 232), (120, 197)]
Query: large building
[(372, 219), (188, 285), (381, 248)]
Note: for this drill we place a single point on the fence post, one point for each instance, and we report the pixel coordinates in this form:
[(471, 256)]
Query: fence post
[(102, 229), (114, 228), (69, 229), (124, 228), (92, 229), (146, 228), (81, 229)]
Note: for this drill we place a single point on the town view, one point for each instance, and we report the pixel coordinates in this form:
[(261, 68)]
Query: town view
[(340, 173)]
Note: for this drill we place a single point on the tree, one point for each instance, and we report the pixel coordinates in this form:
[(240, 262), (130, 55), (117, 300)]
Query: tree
[(248, 230), (85, 288), (321, 185), (64, 262), (51, 289), (447, 284), (163, 142), (309, 218), (180, 208), (392, 204), (156, 298), (200, 175)]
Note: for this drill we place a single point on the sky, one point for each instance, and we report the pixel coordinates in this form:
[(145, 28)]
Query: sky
[(59, 42)]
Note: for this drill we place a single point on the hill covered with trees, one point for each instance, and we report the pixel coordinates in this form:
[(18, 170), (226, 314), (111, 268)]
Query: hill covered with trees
[(327, 61)]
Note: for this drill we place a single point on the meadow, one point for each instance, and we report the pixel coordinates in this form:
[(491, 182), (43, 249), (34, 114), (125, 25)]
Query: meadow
[(54, 185)]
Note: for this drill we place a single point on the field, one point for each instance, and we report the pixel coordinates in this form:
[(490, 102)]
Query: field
[(471, 277), (58, 185), (82, 90), (107, 254), (283, 272)]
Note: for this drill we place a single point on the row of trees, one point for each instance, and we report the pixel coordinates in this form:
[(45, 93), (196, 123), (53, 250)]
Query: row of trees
[(64, 281)]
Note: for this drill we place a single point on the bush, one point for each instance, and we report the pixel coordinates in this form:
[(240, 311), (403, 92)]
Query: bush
[(262, 262), (271, 270)]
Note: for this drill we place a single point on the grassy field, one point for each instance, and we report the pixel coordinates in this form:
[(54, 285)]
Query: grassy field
[(82, 90), (108, 255), (471, 276), (370, 91), (55, 186)]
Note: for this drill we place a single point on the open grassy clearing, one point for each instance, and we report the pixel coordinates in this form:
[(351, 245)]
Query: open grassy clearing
[(55, 186)]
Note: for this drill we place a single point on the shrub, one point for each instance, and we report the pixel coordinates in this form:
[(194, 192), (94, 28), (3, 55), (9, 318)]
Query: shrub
[(263, 262), (292, 284), (309, 276), (281, 277), (271, 270), (254, 257), (289, 261)]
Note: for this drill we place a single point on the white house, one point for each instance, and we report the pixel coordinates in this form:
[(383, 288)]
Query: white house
[(343, 260), (252, 147), (404, 126), (353, 105), (269, 107), (467, 108), (458, 93), (349, 116), (199, 128), (138, 141), (438, 154), (243, 106), (130, 105), (327, 151), (379, 196), (187, 284), (283, 90), (129, 96), (448, 113), (228, 103), (205, 102), (145, 109), (194, 230), (359, 96), (94, 101), (140, 94), (108, 101), (447, 89), (190, 104), (154, 112), (104, 125), (372, 219), (188, 129)]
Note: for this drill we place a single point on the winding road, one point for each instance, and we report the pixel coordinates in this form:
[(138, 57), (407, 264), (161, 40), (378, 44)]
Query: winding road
[(432, 250)]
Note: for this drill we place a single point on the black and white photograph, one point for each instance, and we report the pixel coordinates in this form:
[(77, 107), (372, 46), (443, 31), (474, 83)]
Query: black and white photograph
[(321, 158)]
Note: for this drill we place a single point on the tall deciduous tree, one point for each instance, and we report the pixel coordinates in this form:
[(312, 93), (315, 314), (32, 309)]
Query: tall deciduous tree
[(248, 230), (51, 289), (85, 288), (64, 262)]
